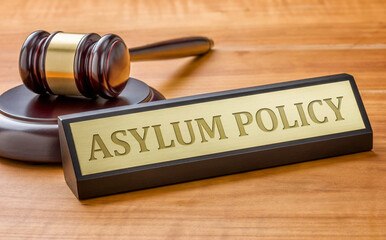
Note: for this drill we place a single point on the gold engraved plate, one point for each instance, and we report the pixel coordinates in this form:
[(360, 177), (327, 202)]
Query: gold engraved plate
[(59, 63), (204, 128)]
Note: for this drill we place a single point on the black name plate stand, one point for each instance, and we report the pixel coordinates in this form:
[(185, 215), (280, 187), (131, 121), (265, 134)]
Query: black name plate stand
[(134, 147)]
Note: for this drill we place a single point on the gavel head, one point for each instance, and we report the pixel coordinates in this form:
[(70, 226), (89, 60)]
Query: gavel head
[(74, 64)]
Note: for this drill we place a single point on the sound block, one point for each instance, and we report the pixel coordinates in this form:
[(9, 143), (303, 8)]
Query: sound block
[(28, 122)]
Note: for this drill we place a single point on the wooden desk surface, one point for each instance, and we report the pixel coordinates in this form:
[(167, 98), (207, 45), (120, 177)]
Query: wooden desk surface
[(257, 42)]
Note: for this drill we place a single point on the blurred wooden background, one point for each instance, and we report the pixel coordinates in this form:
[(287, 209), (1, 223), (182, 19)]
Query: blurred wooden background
[(257, 42)]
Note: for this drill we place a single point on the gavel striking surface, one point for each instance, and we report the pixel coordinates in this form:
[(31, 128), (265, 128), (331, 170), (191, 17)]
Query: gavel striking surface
[(28, 122)]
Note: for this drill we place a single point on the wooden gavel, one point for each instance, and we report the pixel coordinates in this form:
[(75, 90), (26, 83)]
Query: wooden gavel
[(89, 65)]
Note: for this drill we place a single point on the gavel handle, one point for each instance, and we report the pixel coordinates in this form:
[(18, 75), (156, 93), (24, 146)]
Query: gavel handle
[(175, 48)]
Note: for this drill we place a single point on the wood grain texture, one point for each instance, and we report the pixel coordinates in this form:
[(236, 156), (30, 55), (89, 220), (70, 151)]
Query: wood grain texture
[(256, 42)]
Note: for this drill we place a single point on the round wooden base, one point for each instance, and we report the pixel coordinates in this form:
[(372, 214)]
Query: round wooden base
[(28, 122)]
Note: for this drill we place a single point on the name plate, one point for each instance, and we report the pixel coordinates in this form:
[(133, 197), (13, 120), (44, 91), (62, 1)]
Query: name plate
[(153, 144)]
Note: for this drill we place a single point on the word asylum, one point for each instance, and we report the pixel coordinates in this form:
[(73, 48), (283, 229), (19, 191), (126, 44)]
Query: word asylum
[(200, 131)]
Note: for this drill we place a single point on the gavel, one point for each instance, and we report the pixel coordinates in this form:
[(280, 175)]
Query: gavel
[(90, 65)]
